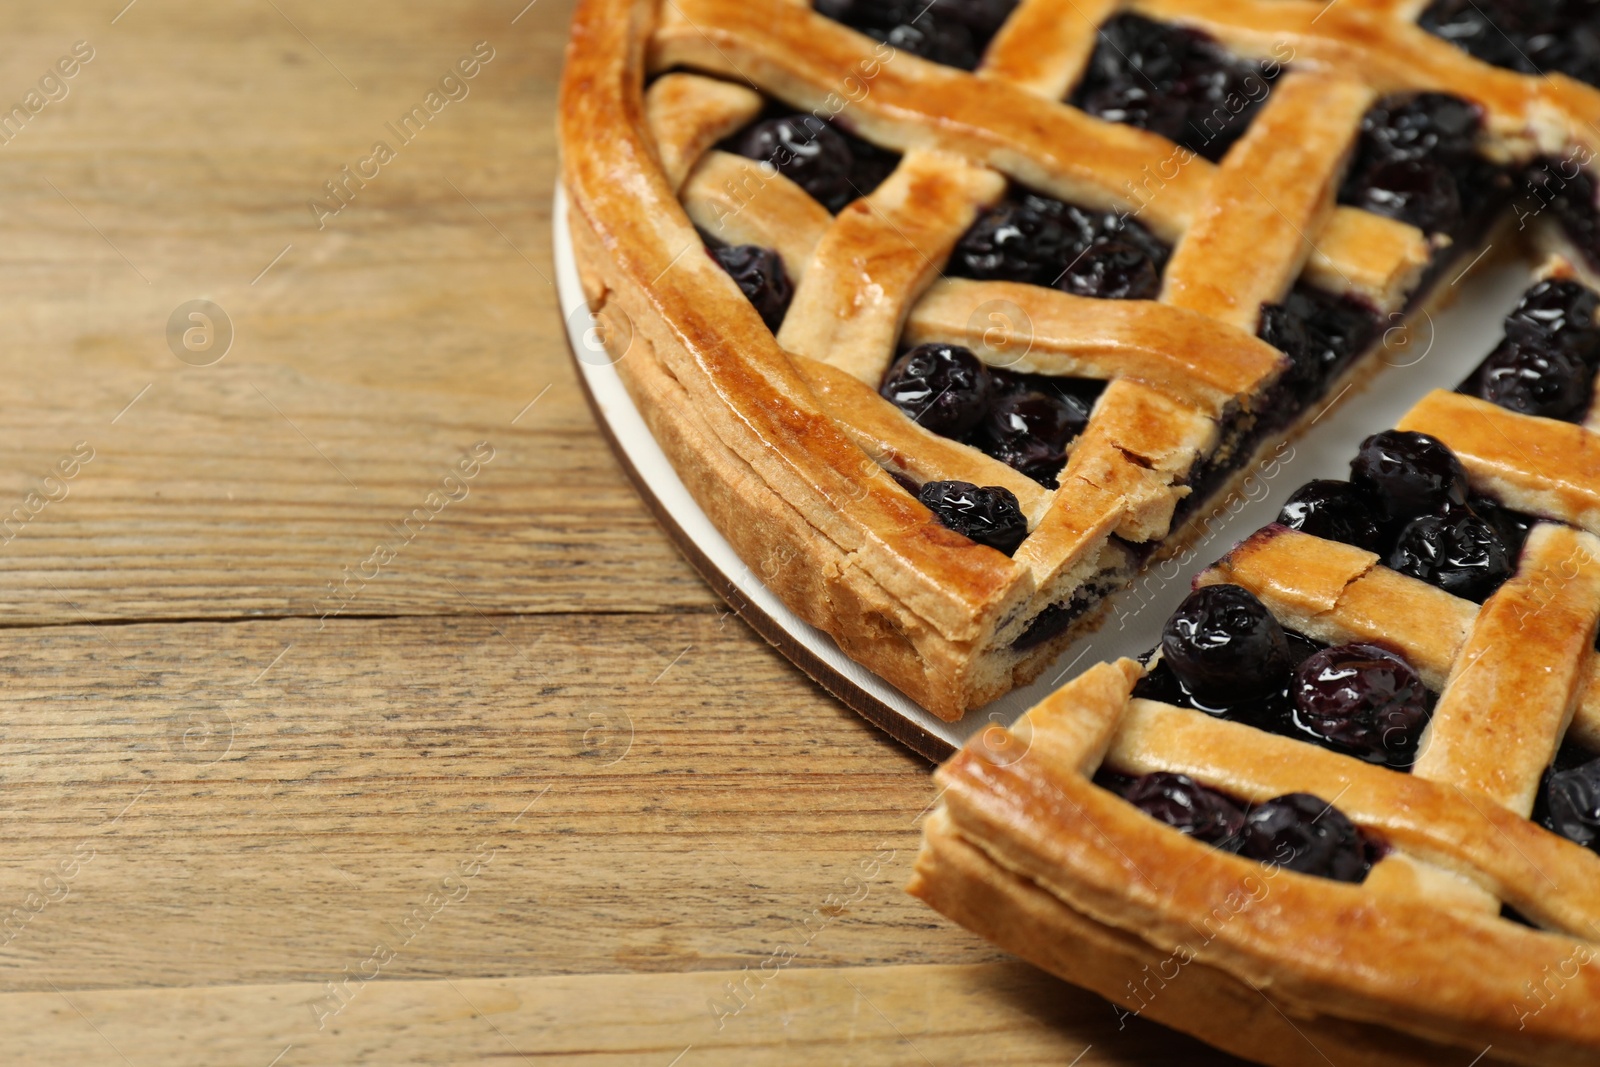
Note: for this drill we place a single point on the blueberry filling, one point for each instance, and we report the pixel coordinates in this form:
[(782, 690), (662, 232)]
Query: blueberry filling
[(761, 277), (1041, 241), (1537, 37), (1415, 161), (1297, 831), (1320, 333), (1546, 364), (830, 164), (1569, 801), (1568, 192), (1024, 420), (989, 514), (953, 32), (1176, 82), (1224, 654)]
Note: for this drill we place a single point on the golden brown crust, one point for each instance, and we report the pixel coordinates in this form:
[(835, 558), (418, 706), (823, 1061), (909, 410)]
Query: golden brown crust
[(641, 172), (1034, 823)]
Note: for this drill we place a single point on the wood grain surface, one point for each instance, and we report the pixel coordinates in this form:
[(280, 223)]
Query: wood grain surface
[(524, 791)]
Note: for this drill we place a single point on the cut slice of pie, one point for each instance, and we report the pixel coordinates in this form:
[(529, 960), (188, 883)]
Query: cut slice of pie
[(953, 315), (1349, 810)]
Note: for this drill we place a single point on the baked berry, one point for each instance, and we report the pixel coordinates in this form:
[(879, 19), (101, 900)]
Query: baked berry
[(989, 515), (1419, 126), (1303, 833), (1421, 192), (1557, 315), (1568, 194), (1021, 241), (1334, 511), (761, 277), (1319, 332), (1455, 550), (945, 388), (1172, 81), (1188, 807), (983, 17), (1364, 699), (1531, 37), (1112, 270), (933, 38), (1407, 474), (1510, 526), (1029, 431), (1571, 804), (1535, 380), (805, 150), (954, 32), (1225, 646)]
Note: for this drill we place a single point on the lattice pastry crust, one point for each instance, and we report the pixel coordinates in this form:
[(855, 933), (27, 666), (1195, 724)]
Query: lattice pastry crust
[(785, 442)]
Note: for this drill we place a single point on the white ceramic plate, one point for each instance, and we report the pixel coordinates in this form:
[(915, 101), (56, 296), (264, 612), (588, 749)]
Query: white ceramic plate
[(1435, 353)]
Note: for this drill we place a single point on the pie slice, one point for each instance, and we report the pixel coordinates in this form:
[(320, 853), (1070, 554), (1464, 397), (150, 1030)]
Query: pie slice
[(952, 316), (1349, 810)]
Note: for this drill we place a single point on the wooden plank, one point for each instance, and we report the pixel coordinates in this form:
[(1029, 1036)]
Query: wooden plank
[(416, 322), (262, 802), (980, 1014)]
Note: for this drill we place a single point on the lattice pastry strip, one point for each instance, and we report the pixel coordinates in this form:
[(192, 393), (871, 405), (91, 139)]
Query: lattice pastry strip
[(880, 252), (1246, 245), (1045, 45)]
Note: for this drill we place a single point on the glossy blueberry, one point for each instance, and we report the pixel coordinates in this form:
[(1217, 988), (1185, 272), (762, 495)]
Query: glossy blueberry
[(931, 37), (1042, 241), (1531, 36), (1407, 474), (945, 388), (989, 514), (1224, 646), (1029, 430), (1023, 241), (1423, 193), (1303, 833), (954, 32), (1456, 550), (1557, 315), (1535, 380), (1571, 804), (1112, 270), (1511, 527), (1171, 81), (1187, 806), (1332, 510), (1319, 332), (761, 277), (1419, 126), (805, 150), (1364, 699), (1557, 187)]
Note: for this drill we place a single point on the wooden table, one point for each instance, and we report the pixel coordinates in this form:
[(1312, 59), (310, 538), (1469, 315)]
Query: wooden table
[(523, 789)]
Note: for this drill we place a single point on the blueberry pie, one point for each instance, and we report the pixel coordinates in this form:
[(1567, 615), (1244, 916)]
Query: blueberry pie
[(953, 314), (1349, 810)]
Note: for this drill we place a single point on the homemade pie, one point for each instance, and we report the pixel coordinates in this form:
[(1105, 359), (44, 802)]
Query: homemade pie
[(1348, 812), (952, 315)]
